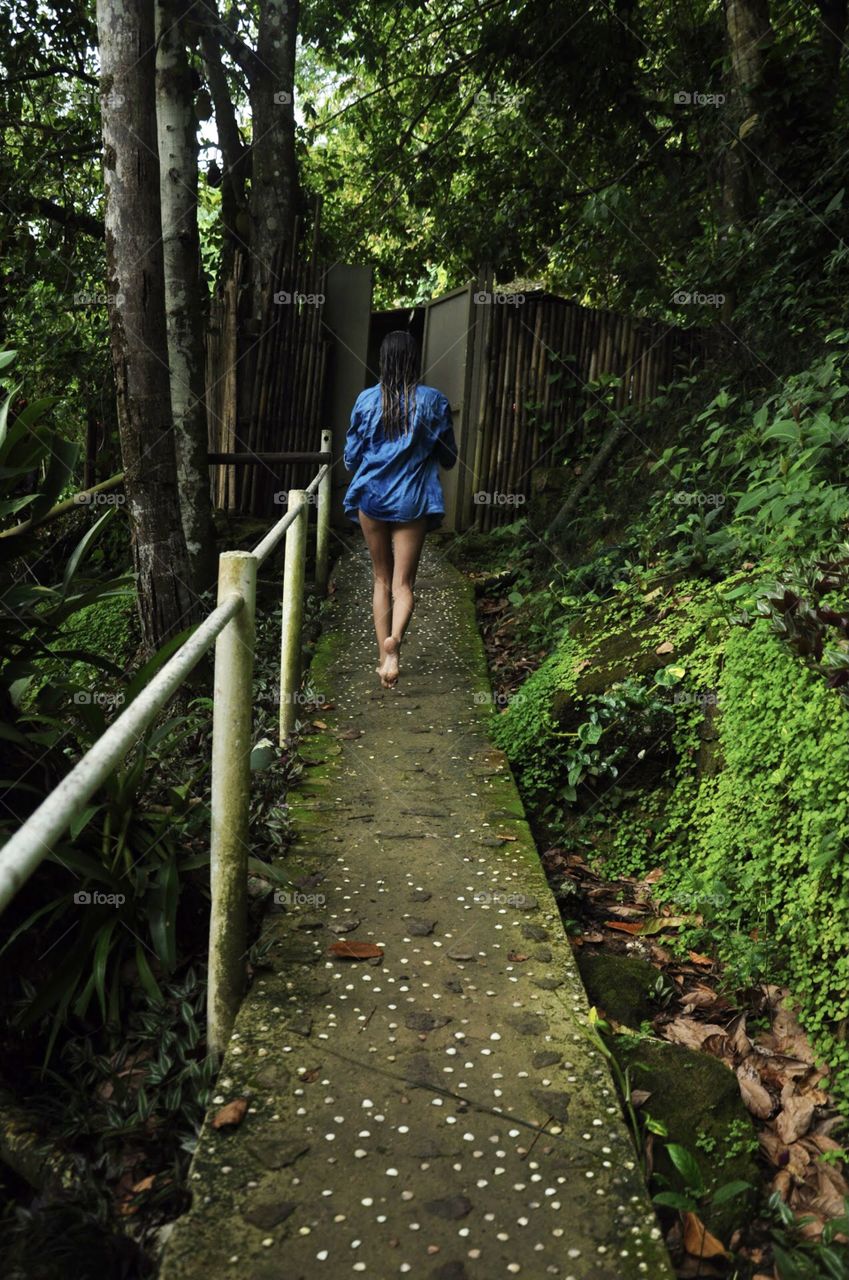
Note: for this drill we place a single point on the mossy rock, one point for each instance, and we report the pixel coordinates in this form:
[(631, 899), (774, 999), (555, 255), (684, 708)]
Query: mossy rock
[(698, 1099), (621, 987)]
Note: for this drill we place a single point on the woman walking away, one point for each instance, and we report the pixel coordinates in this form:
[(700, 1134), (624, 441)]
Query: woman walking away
[(400, 432)]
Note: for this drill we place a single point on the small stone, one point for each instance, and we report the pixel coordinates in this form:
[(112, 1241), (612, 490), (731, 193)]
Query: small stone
[(427, 1149), (460, 955), (527, 1024), (344, 926), (425, 1021), (266, 1212), (450, 1271), (418, 928), (301, 1026), (420, 895), (275, 1152), (451, 1208), (553, 1102), (535, 932), (548, 984), (546, 1058)]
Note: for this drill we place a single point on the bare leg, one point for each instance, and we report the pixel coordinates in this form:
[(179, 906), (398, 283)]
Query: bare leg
[(378, 536), (408, 540)]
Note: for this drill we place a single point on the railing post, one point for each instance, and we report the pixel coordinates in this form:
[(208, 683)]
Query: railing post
[(292, 613), (322, 528), (231, 780)]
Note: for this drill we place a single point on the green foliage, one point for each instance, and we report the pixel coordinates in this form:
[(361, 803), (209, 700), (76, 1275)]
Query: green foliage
[(757, 476), (784, 740), (800, 1257), (752, 836)]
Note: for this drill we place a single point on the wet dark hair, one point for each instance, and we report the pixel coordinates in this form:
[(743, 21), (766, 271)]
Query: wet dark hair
[(399, 377)]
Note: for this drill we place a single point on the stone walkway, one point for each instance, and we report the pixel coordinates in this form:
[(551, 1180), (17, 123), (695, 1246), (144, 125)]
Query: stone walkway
[(435, 1111)]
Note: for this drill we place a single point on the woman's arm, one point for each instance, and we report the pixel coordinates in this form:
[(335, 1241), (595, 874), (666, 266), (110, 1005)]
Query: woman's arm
[(354, 442), (445, 445)]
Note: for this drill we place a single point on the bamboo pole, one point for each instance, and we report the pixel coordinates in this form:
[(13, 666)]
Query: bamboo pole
[(231, 781), (496, 374), (292, 614), (485, 398), (322, 525)]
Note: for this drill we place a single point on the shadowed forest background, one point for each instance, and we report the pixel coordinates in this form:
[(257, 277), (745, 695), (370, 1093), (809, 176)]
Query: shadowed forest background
[(666, 610)]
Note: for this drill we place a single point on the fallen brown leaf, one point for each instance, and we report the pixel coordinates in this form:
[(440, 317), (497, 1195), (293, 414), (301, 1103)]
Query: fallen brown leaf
[(689, 1032), (350, 950), (666, 647), (795, 1119), (698, 1240), (232, 1113), (753, 1092), (517, 956)]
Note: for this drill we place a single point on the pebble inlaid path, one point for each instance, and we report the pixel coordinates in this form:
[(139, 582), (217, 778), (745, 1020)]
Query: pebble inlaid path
[(436, 1111)]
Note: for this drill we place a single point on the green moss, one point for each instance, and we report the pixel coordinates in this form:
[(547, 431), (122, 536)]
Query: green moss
[(697, 1099), (623, 988), (107, 627), (749, 816)]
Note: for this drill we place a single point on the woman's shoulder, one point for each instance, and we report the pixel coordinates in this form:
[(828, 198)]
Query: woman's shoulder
[(431, 395)]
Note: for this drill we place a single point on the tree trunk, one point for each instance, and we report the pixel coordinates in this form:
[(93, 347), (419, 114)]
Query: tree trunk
[(166, 601), (184, 304), (273, 172), (235, 156), (749, 34)]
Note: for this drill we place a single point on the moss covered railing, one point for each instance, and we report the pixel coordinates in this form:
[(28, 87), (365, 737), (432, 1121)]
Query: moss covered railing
[(230, 626)]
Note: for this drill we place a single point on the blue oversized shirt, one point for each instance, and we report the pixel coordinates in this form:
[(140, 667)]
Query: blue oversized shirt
[(399, 479)]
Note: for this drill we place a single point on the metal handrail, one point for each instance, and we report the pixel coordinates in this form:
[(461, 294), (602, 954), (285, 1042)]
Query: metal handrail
[(231, 627)]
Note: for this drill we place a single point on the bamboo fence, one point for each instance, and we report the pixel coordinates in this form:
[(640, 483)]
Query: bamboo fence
[(543, 359), (264, 395)]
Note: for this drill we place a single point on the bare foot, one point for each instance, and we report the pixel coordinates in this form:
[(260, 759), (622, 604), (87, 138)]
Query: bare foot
[(389, 670), (384, 679)]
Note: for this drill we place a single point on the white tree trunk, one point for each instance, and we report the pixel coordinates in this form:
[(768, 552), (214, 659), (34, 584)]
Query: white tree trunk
[(166, 600)]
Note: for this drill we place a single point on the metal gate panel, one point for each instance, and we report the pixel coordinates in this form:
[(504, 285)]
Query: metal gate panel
[(447, 359)]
